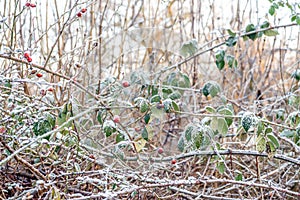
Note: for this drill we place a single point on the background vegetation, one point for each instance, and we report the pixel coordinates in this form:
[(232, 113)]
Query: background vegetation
[(149, 99)]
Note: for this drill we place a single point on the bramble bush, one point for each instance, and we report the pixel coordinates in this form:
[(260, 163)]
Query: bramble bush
[(144, 100)]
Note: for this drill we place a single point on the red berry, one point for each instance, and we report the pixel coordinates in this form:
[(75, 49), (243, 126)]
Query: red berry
[(137, 129), (116, 119), (29, 59), (91, 156), (83, 10), (79, 14), (50, 89), (27, 4), (26, 54), (173, 161), (43, 92), (160, 150), (2, 129), (39, 75), (32, 5), (33, 71), (126, 84), (160, 105)]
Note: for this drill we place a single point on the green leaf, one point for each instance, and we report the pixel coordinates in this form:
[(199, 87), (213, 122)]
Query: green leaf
[(220, 64), (167, 105), (221, 167), (232, 62), (248, 120), (147, 118), (144, 107), (188, 132), (293, 18), (268, 130), (271, 32), (189, 48), (157, 113), (296, 74), (261, 143), (231, 41), (220, 54), (231, 33), (175, 95), (210, 109), (43, 126), (109, 129), (197, 139), (211, 88), (181, 144), (272, 10), (120, 137), (145, 134), (260, 127), (101, 115), (175, 106), (273, 139), (206, 89), (298, 20), (155, 98), (266, 24), (219, 124), (251, 28), (239, 177), (226, 111)]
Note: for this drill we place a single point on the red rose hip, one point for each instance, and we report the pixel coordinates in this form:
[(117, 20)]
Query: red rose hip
[(39, 75), (116, 119), (126, 84), (160, 150), (79, 14), (173, 162)]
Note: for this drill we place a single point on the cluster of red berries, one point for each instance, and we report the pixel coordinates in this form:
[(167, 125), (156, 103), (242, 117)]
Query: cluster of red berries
[(39, 75), (28, 4), (83, 10), (27, 56)]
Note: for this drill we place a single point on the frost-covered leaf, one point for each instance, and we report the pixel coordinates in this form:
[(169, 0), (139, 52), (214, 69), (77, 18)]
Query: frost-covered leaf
[(210, 109), (144, 106), (226, 111), (109, 128), (197, 139), (188, 132), (231, 41), (180, 144), (219, 124), (248, 121), (155, 98), (211, 88), (189, 48), (140, 144), (175, 95), (260, 143)]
